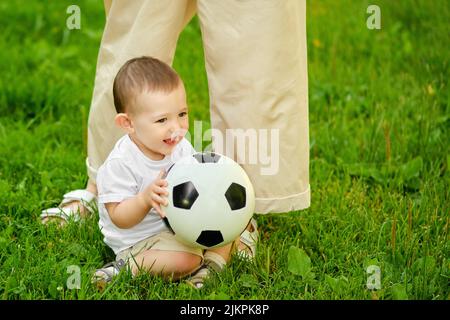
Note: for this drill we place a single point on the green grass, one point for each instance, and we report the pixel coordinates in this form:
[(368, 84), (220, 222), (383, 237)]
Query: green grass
[(379, 132)]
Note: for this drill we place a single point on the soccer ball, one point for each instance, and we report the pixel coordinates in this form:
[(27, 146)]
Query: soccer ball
[(211, 200)]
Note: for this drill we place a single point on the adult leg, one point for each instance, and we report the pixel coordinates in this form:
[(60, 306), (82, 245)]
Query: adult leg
[(133, 28), (256, 62)]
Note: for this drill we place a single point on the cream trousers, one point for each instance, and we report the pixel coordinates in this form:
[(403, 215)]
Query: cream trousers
[(256, 64)]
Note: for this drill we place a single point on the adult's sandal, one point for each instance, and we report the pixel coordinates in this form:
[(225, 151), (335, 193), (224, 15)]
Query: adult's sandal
[(66, 212)]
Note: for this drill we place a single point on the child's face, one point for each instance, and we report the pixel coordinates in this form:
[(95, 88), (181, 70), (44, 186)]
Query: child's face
[(160, 121)]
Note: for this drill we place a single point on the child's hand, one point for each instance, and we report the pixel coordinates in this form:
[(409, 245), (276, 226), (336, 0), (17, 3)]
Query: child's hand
[(155, 194)]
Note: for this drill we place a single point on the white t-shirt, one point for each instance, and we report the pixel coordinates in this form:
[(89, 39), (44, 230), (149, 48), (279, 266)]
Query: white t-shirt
[(125, 173)]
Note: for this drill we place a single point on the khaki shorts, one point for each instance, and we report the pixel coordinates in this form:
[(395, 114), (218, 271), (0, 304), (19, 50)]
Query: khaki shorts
[(164, 241)]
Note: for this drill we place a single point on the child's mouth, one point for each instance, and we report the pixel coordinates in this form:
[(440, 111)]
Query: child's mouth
[(171, 142), (175, 137)]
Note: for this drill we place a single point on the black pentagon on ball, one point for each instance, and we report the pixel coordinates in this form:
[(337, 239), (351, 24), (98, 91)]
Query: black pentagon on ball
[(209, 238), (168, 170), (236, 196), (207, 157), (184, 195), (166, 222)]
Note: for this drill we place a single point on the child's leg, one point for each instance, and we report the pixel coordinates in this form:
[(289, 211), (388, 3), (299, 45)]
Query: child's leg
[(169, 264), (160, 255), (215, 259), (219, 256)]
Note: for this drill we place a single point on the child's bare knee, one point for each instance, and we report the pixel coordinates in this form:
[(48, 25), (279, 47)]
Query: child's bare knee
[(188, 262)]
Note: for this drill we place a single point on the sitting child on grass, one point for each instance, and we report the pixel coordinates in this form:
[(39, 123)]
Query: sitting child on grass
[(150, 100)]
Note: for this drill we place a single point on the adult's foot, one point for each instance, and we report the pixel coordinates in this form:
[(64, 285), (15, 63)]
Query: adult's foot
[(246, 247), (76, 206)]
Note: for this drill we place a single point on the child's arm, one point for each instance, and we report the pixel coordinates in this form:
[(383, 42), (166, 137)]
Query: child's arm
[(130, 212)]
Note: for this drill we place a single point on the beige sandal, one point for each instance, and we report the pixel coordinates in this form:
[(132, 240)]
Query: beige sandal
[(198, 278), (249, 239), (105, 275), (65, 212), (213, 263)]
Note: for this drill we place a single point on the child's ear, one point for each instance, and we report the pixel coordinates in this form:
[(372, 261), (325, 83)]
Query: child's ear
[(123, 121)]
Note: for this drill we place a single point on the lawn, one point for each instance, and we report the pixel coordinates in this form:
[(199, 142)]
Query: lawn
[(379, 116)]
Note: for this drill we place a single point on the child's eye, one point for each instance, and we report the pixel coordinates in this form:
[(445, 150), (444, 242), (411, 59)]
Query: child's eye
[(162, 120), (182, 114)]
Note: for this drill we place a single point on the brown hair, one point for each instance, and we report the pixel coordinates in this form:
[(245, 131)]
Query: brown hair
[(139, 74)]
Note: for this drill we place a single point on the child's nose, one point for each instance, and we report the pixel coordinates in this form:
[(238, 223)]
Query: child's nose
[(178, 133), (175, 126)]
